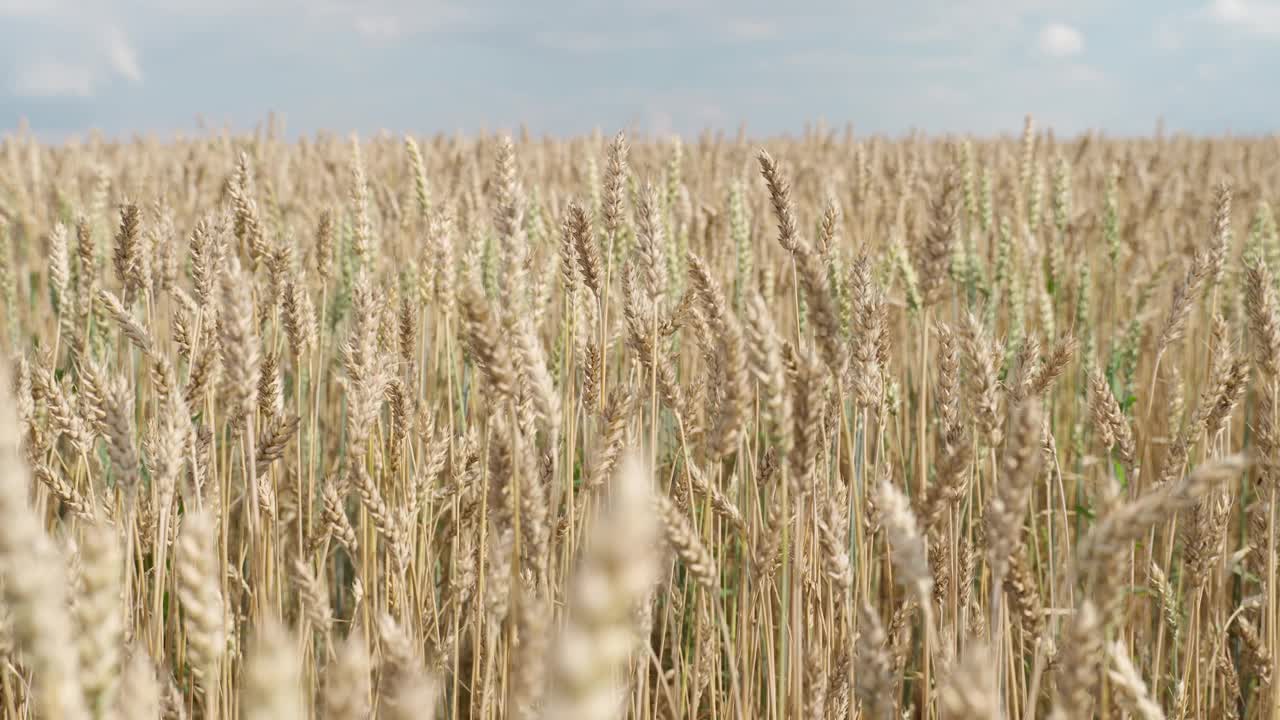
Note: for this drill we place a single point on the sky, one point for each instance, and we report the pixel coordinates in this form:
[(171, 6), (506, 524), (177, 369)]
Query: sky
[(565, 67)]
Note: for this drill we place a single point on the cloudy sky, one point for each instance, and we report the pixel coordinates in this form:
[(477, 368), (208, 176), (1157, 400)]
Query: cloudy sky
[(567, 66)]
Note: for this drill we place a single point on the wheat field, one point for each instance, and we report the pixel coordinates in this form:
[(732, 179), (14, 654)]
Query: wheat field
[(826, 426)]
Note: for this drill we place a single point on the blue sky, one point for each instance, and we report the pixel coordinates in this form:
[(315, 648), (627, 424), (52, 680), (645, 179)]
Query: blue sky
[(658, 66)]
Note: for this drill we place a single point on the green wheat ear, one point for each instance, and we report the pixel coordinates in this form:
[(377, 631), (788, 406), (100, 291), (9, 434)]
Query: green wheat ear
[(1270, 237), (1084, 315), (8, 287), (593, 188), (1111, 214), (347, 262), (1035, 199), (740, 235), (1004, 255), (985, 208), (676, 243), (674, 173), (535, 219), (905, 271), (838, 280), (1061, 194), (967, 183)]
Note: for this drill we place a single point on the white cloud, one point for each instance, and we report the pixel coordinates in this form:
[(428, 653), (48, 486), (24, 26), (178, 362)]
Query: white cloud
[(1229, 11), (382, 28), (1257, 16), (1059, 40), (1167, 37), (79, 72), (52, 79), (121, 55), (750, 29), (82, 49), (27, 8)]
